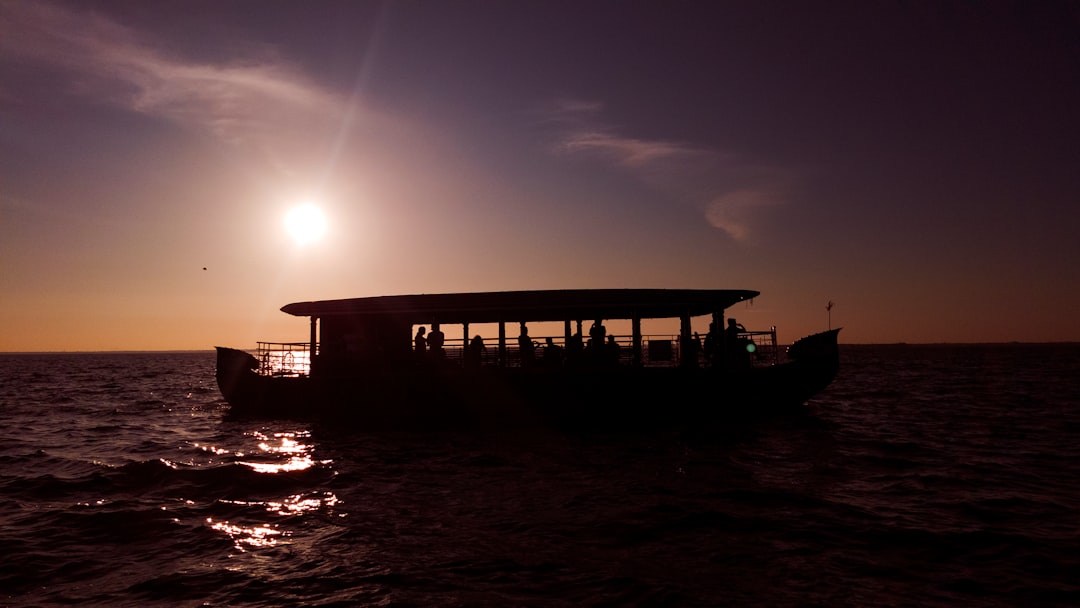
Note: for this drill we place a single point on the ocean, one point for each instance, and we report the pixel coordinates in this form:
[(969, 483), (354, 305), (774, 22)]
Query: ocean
[(924, 476)]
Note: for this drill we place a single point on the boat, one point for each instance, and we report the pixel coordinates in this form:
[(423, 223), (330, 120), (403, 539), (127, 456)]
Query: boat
[(386, 362)]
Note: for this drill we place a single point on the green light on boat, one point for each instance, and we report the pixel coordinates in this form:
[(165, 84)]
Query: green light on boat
[(751, 347)]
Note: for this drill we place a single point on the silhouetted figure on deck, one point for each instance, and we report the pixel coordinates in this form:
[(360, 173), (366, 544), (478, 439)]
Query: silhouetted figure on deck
[(712, 345), (474, 352), (735, 352), (435, 340), (597, 344), (611, 352), (597, 334), (553, 354), (420, 342), (526, 349)]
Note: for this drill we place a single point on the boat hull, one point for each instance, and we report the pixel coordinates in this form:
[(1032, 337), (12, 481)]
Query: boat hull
[(441, 396)]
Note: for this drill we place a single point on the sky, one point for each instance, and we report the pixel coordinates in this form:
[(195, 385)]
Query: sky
[(917, 164)]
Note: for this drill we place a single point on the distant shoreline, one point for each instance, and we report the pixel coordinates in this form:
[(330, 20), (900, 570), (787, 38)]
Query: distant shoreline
[(842, 345)]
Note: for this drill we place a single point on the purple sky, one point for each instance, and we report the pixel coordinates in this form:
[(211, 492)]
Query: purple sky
[(916, 163)]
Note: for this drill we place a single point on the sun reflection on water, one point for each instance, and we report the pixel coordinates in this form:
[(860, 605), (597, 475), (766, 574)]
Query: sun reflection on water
[(293, 505), (244, 537), (298, 503), (284, 445), (279, 452)]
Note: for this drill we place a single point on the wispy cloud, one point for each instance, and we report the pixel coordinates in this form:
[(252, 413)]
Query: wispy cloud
[(727, 190), (626, 151), (245, 101)]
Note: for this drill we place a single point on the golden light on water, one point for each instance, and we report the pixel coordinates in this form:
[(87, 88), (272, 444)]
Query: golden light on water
[(293, 505), (283, 452), (284, 445), (298, 503), (248, 536)]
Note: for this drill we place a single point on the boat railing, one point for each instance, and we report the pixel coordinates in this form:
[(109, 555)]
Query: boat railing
[(284, 359), (755, 349), (765, 350)]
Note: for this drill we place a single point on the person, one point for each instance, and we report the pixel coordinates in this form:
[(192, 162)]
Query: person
[(597, 345), (597, 334), (435, 340), (734, 346), (612, 352), (526, 349), (553, 354), (733, 330), (420, 342), (475, 353)]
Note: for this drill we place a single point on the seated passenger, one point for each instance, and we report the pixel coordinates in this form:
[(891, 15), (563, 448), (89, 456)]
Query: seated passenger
[(420, 342), (553, 354), (474, 352), (611, 352)]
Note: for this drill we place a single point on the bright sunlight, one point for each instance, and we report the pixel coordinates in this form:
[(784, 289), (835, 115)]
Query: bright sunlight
[(305, 224)]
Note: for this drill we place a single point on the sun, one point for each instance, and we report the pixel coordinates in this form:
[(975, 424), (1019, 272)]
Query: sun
[(305, 224)]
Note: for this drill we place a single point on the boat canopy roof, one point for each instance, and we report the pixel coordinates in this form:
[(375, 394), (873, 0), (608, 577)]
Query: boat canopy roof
[(549, 305)]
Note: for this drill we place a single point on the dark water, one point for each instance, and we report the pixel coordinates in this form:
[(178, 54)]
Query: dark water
[(931, 476)]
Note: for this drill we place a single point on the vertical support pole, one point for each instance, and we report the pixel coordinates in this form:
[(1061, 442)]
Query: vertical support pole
[(313, 344), (716, 357), (636, 329), (566, 331), (502, 343), (464, 342), (684, 341), (726, 347)]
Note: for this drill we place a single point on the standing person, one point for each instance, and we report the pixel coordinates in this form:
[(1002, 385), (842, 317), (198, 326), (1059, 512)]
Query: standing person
[(435, 340), (594, 350), (735, 353), (712, 345), (733, 330), (526, 349)]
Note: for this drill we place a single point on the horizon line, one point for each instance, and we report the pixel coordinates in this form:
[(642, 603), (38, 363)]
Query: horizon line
[(122, 351)]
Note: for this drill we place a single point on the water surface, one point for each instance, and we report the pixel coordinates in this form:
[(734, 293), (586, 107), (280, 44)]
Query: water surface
[(926, 475)]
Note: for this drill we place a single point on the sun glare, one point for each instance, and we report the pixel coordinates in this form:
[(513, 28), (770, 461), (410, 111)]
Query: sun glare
[(305, 224)]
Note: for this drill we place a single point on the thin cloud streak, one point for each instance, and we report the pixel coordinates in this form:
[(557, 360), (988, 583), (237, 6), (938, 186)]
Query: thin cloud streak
[(728, 192), (241, 103), (625, 151), (732, 212)]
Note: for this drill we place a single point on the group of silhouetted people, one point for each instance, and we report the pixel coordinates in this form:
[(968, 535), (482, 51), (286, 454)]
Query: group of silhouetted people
[(433, 341), (727, 348)]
